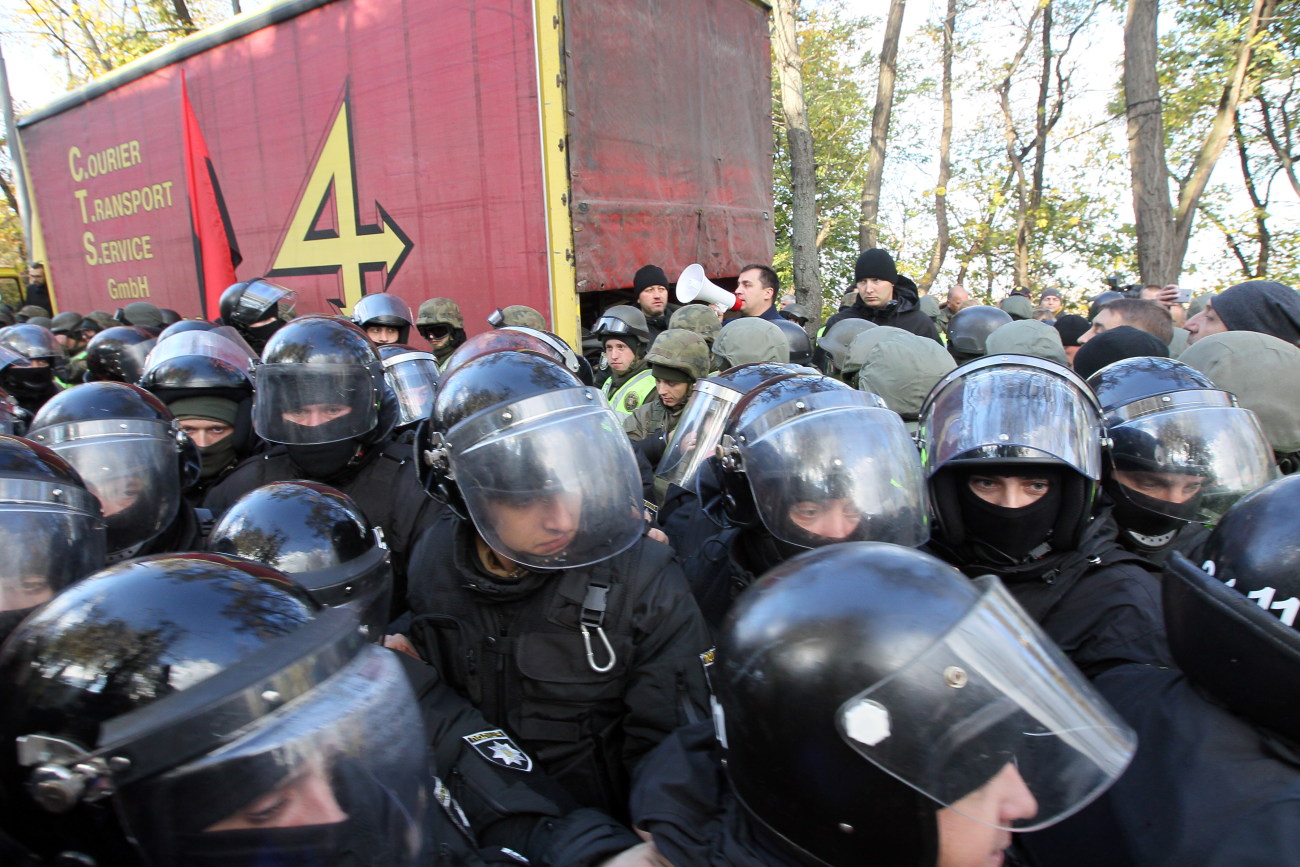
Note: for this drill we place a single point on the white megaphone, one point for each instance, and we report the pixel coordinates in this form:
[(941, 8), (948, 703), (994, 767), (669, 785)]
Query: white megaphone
[(692, 285)]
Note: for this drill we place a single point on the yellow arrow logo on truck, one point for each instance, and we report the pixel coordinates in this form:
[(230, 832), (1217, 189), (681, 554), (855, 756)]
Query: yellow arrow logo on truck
[(346, 247)]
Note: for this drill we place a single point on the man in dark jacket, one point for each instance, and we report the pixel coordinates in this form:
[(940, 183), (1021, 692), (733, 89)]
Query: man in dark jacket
[(886, 297), (651, 286), (538, 594)]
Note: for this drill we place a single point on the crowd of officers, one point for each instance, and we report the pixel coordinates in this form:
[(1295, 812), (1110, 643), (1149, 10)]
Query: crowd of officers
[(924, 589)]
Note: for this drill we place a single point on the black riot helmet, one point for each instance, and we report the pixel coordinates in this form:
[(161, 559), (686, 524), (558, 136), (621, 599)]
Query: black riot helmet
[(129, 451), (316, 535), (506, 338), (800, 344), (969, 330), (515, 434), (118, 354), (153, 710), (51, 529), (386, 310), (705, 417), (1011, 415), (818, 462), (251, 301), (185, 325), (191, 363), (205, 364), (1181, 449), (862, 688), (31, 341), (573, 362), (1234, 622), (321, 381)]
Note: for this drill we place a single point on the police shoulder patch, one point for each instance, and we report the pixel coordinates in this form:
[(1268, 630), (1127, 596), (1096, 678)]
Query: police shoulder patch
[(497, 747)]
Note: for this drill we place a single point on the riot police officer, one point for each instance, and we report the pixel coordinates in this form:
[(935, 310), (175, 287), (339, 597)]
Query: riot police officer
[(118, 354), (52, 529), (321, 401), (1012, 448), (35, 382), (538, 594), (805, 461), (385, 318), (1182, 452), (873, 707), (195, 709), (254, 308), (318, 537), (133, 457), (206, 381), (1216, 777)]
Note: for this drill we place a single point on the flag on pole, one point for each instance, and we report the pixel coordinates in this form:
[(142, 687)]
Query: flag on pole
[(216, 252)]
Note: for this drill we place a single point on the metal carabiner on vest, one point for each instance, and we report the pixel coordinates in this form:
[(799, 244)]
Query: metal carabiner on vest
[(591, 656)]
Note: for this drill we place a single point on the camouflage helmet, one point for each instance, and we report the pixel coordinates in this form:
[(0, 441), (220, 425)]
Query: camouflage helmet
[(751, 339), (440, 311), (699, 318), (517, 314), (681, 350)]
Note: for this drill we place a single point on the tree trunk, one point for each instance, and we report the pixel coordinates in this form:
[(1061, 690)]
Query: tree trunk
[(1162, 231), (1217, 138), (867, 230), (1146, 142), (183, 16), (945, 149), (803, 170)]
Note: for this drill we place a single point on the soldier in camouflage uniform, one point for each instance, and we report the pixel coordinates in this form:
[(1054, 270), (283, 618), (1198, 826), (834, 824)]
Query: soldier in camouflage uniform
[(677, 359), (441, 323)]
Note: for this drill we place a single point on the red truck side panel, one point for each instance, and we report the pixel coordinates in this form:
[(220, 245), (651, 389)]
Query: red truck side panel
[(426, 113), (670, 135)]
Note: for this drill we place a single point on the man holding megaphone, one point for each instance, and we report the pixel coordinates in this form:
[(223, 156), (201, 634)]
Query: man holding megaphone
[(756, 290)]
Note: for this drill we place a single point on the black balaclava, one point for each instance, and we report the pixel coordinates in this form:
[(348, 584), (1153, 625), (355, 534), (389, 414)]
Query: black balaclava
[(258, 335), (30, 386), (1016, 533), (1141, 515)]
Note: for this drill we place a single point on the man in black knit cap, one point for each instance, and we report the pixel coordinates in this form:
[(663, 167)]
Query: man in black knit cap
[(651, 285), (885, 297)]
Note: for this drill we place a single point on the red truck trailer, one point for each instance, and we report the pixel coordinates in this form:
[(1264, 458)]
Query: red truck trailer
[(493, 151)]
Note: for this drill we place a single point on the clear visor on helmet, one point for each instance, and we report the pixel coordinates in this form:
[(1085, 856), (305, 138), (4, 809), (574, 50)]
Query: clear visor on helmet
[(258, 299), (993, 722), (1191, 463), (205, 344), (304, 404), (132, 468), (10, 357), (413, 377), (698, 432), (843, 474), (50, 540), (382, 306), (338, 775), (1006, 413), (550, 481)]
